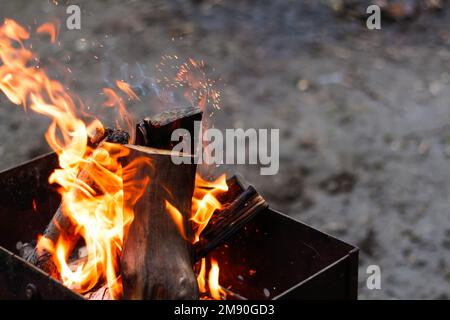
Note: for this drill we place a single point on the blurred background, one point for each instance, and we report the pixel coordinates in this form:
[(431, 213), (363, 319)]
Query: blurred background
[(363, 114)]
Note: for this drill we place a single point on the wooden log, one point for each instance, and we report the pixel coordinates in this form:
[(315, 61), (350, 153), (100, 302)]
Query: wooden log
[(62, 225), (156, 131), (240, 206), (156, 261)]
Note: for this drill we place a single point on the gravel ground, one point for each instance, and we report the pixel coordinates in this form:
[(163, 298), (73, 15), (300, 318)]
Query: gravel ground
[(363, 115)]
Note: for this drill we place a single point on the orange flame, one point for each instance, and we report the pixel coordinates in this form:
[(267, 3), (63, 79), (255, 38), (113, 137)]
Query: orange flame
[(204, 204), (114, 100), (216, 291), (204, 201), (177, 218), (97, 208), (125, 87), (201, 277), (48, 28)]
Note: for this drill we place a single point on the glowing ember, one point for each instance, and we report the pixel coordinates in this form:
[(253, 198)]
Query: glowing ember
[(213, 281)]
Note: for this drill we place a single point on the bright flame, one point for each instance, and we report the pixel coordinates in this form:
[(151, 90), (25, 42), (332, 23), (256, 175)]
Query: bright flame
[(204, 204), (201, 277), (177, 218), (91, 181), (204, 201), (216, 291)]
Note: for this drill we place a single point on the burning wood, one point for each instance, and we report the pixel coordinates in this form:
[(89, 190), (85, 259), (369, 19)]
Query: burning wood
[(240, 205), (62, 225), (156, 262), (129, 204), (157, 258)]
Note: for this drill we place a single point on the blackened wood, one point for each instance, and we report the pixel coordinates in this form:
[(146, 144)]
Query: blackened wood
[(156, 131), (156, 261)]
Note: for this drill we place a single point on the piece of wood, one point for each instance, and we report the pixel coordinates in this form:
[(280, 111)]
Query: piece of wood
[(240, 206), (156, 261), (156, 131), (62, 225), (102, 293)]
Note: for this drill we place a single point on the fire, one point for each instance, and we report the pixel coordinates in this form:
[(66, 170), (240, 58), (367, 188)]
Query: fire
[(115, 101), (201, 277), (216, 291), (48, 28), (177, 218), (213, 281), (98, 208), (204, 201), (92, 180), (204, 204)]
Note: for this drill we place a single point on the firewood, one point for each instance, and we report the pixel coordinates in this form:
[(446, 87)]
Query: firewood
[(61, 224), (156, 131), (101, 293), (245, 204), (156, 261)]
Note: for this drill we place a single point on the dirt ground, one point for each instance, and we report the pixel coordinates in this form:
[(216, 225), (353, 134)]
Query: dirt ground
[(363, 115)]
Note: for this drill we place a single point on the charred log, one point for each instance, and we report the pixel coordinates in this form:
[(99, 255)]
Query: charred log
[(156, 131)]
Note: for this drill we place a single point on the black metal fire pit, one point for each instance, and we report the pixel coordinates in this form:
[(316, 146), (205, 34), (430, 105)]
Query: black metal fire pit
[(272, 257)]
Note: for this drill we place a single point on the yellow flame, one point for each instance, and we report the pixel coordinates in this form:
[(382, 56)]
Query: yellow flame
[(204, 201), (177, 218), (201, 277), (216, 291)]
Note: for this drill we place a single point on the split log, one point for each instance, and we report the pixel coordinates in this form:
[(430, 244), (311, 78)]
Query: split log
[(156, 261), (156, 131), (61, 224), (240, 206)]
